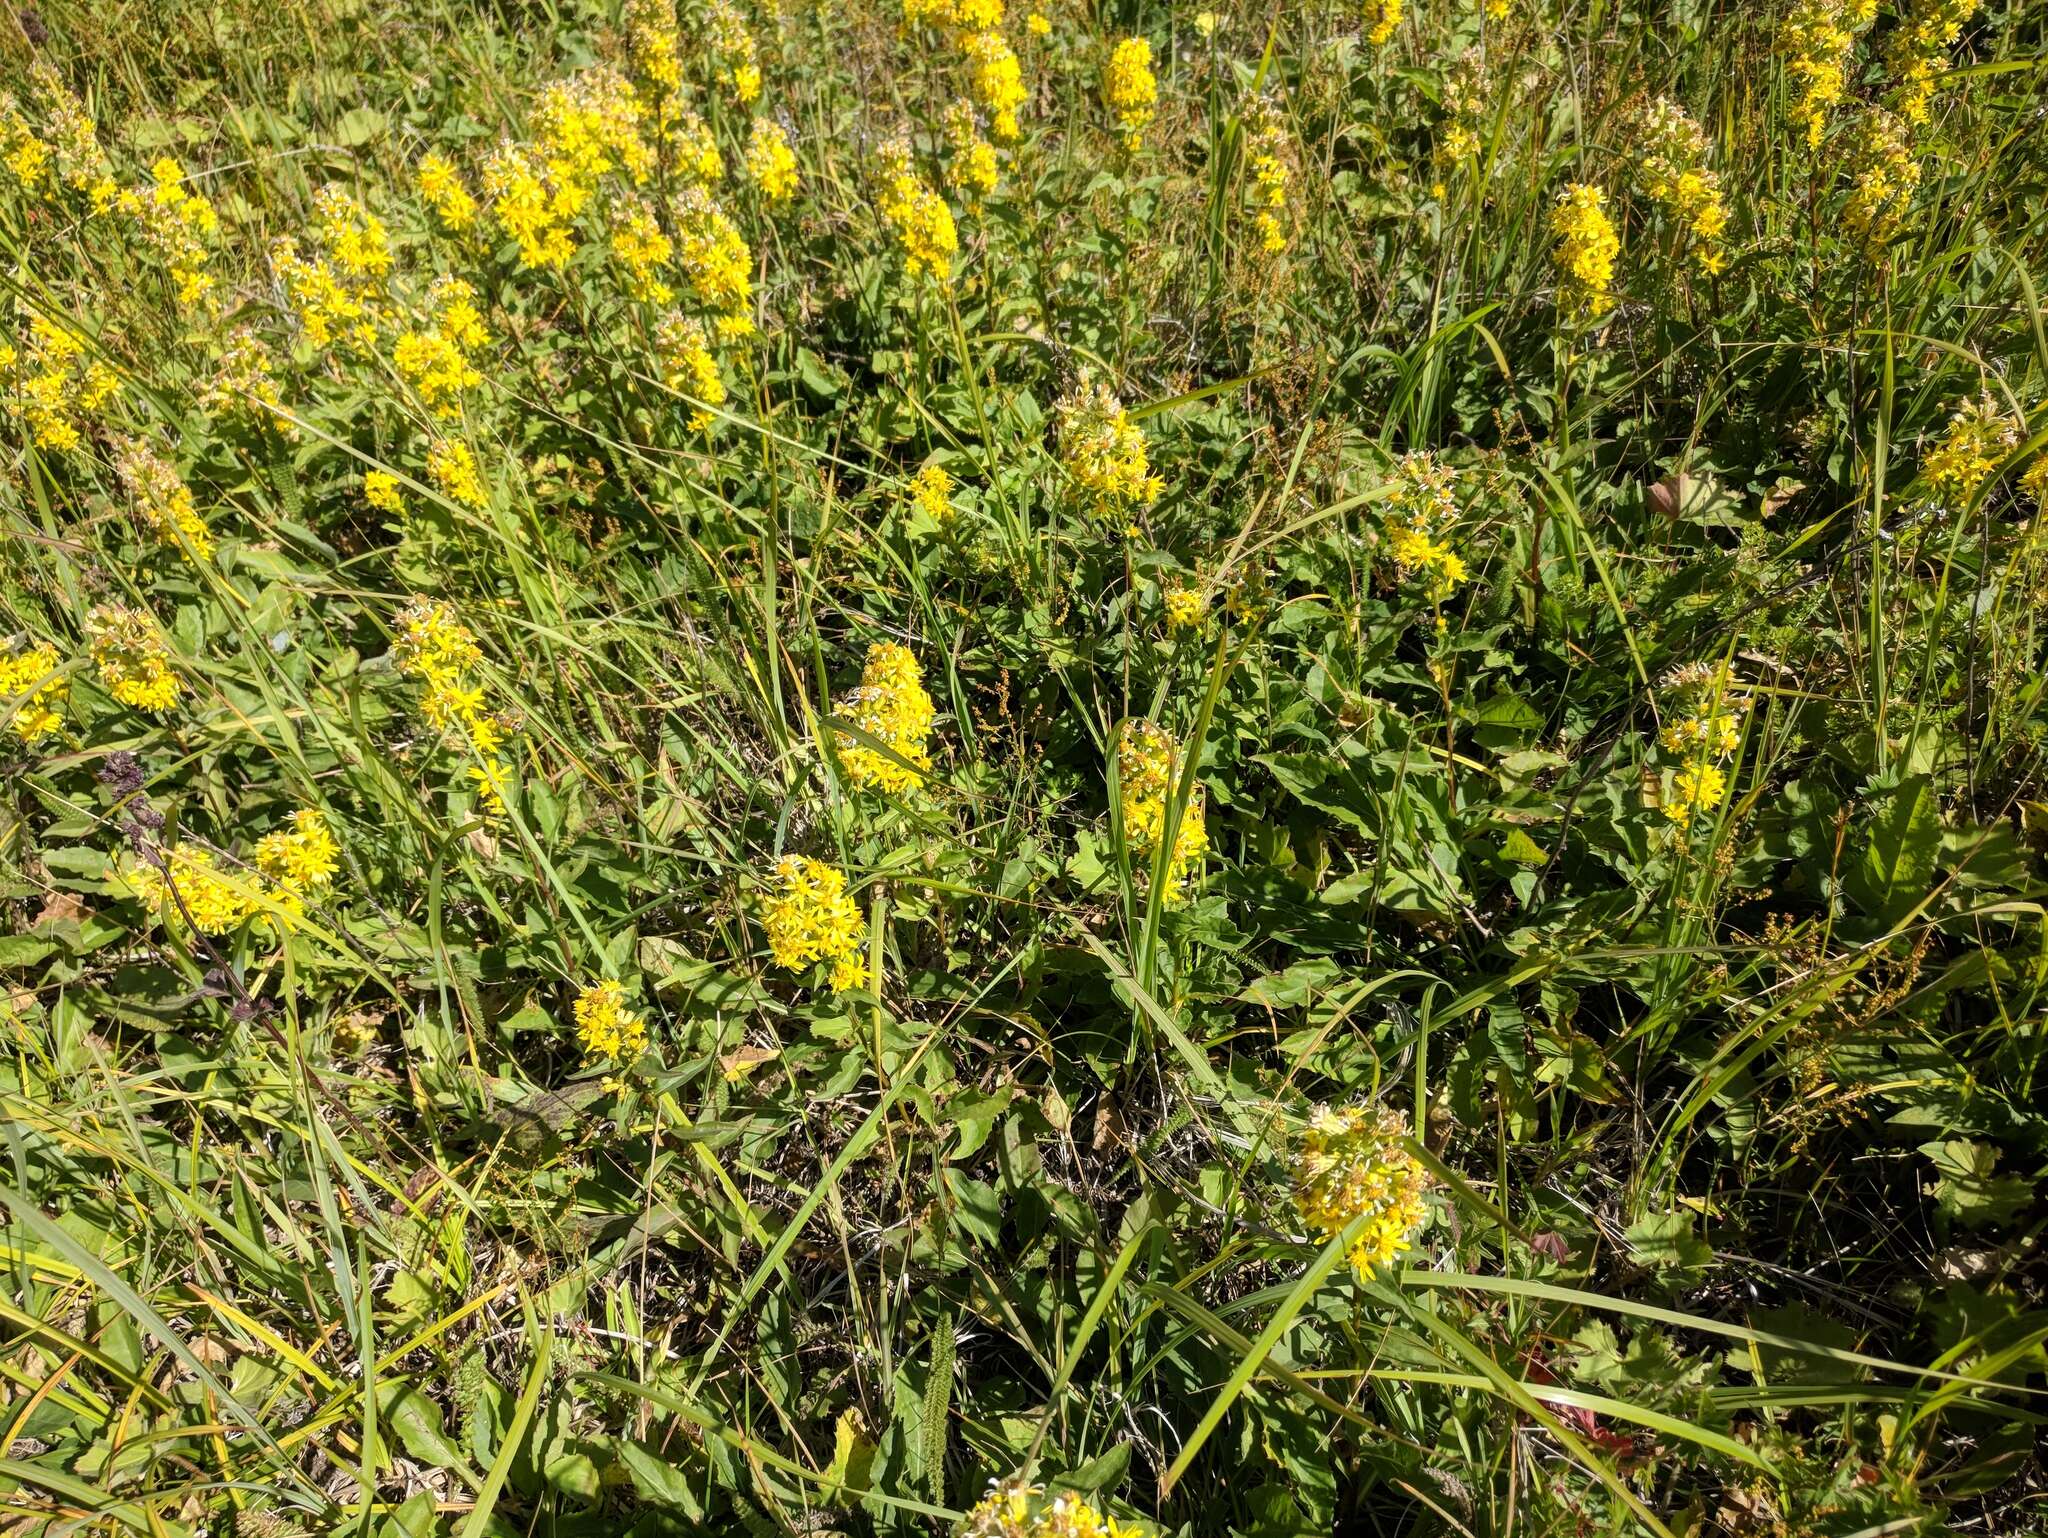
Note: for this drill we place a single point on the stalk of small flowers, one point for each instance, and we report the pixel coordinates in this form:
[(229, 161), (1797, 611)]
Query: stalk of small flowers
[(442, 189), (1702, 728), (716, 259), (770, 162), (1883, 175), (655, 47), (1131, 89), (436, 358), (1355, 1164), (1917, 50), (687, 365), (52, 388), (642, 249), (998, 81), (179, 225), (1979, 435), (292, 865), (1266, 150), (66, 160), (810, 917), (1422, 507), (453, 468), (1185, 605), (1104, 450), (891, 705), (244, 387), (1014, 1509), (1584, 256), (733, 45), (606, 1027), (436, 648), (1464, 104), (162, 501), (1672, 170), (915, 214), (34, 687), (931, 493), (1381, 19), (133, 662), (1147, 768), (971, 166), (1815, 41)]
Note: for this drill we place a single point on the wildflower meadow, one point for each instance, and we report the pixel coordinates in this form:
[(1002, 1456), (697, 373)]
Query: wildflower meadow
[(1024, 768)]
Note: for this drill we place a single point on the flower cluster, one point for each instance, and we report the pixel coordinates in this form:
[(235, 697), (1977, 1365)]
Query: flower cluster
[(1104, 450), (295, 863), (1422, 507), (1131, 89), (435, 647), (1815, 40), (453, 468), (1381, 18), (1465, 98), (1672, 170), (890, 705), (133, 662), (1016, 1510), (810, 917), (1355, 1164), (1883, 175), (1585, 254), (337, 292), (585, 128), (1702, 728), (244, 386), (605, 1026), (1978, 437), (656, 51), (179, 225), (714, 256), (919, 217), (69, 158), (443, 190), (1184, 603), (931, 493), (1147, 771), (162, 501), (52, 387), (971, 168), (733, 45), (1265, 152), (435, 358), (770, 162), (642, 248), (998, 81), (1919, 46), (687, 365), (33, 683)]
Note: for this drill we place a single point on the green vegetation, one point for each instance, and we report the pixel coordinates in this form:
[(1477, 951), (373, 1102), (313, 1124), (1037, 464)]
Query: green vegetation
[(1280, 768)]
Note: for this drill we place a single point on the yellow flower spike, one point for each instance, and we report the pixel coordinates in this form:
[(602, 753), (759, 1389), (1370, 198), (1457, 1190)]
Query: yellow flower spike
[(1104, 450), (931, 493), (1185, 606), (452, 467), (810, 917), (380, 490), (1382, 17), (162, 501), (191, 883), (133, 662), (1978, 437), (918, 216), (770, 162), (1584, 255), (890, 705), (606, 1027), (1354, 1164), (442, 189), (1130, 88), (1422, 508), (1147, 769), (33, 681), (716, 259)]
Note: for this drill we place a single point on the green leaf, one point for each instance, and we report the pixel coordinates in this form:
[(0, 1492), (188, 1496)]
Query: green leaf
[(1898, 859), (1967, 1190)]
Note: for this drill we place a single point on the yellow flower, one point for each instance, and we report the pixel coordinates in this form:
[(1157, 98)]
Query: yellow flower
[(734, 46), (1883, 175), (1265, 153), (931, 493), (1586, 250), (810, 917), (1815, 40), (998, 80), (1422, 507), (1037, 24), (191, 884), (178, 224), (770, 162), (443, 190), (52, 387), (1919, 46), (1694, 787), (1978, 437), (1381, 18), (244, 386), (1016, 1510), (643, 249), (1355, 1164), (162, 501), (891, 706), (1104, 450), (300, 860), (919, 216), (1671, 166), (1185, 606), (33, 684), (133, 662), (453, 469), (605, 1026), (1147, 772), (1130, 88), (972, 168), (715, 258), (687, 365), (354, 237)]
